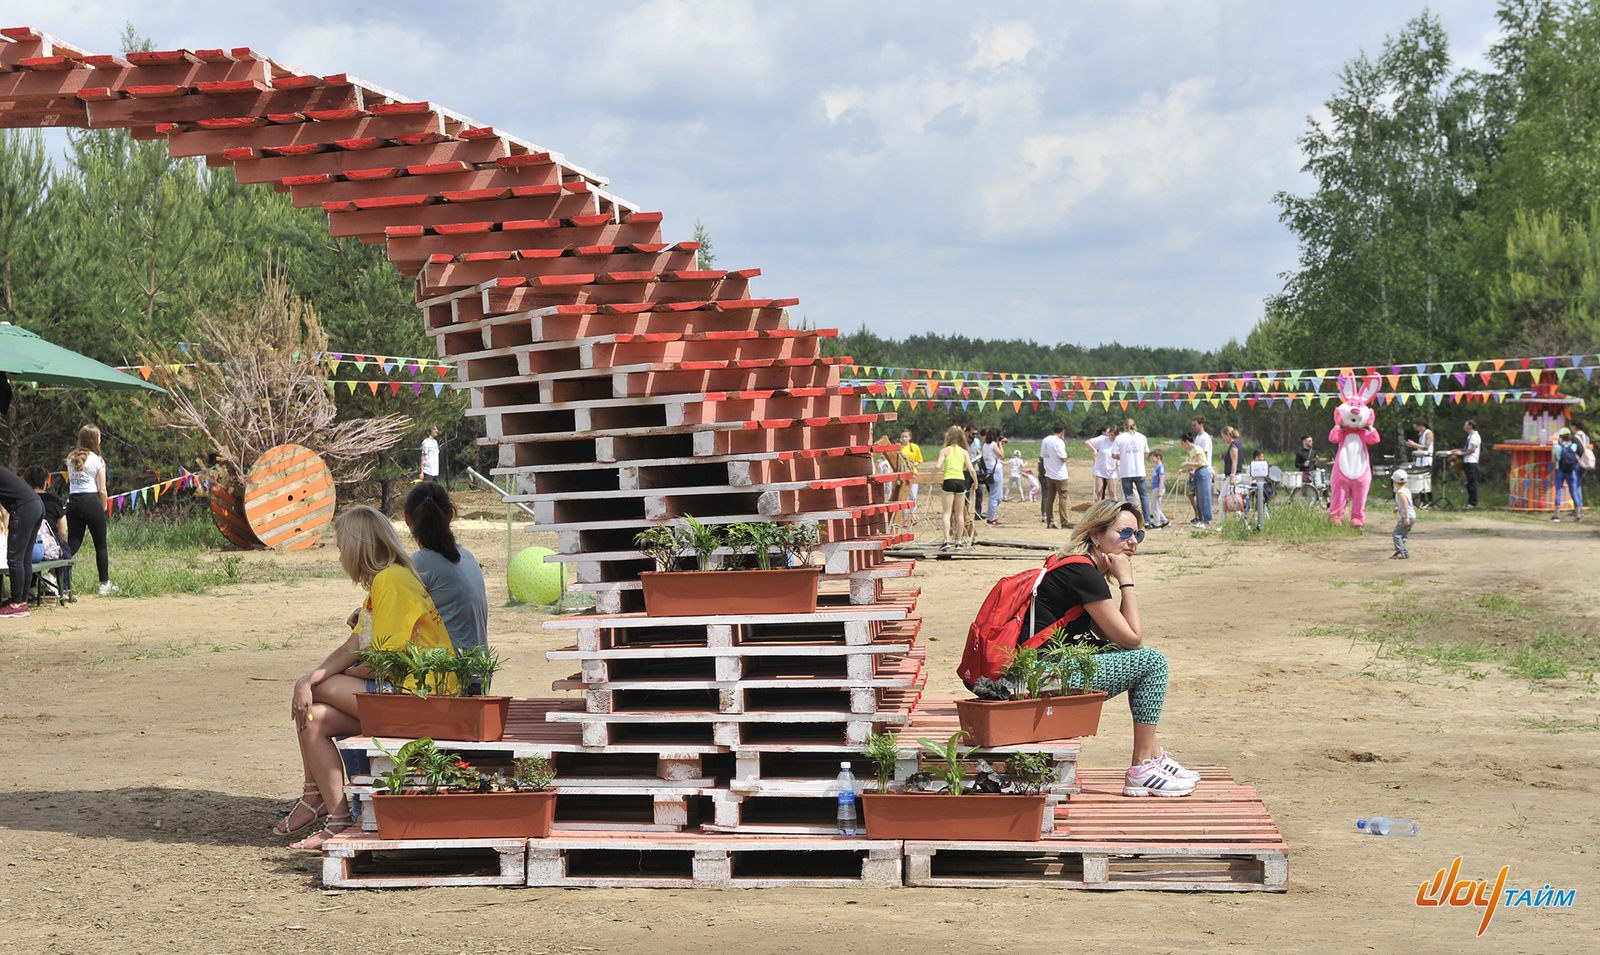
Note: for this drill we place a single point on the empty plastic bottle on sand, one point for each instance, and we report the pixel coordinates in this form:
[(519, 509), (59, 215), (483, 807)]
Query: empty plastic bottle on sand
[(1384, 826), (847, 801)]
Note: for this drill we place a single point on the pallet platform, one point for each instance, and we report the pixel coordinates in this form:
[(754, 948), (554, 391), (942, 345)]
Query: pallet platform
[(1220, 839)]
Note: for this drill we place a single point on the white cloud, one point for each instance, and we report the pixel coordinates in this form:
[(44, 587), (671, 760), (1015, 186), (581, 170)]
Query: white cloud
[(707, 49), (1002, 44)]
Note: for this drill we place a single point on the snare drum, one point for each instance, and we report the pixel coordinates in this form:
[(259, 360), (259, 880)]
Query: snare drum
[(1422, 482), (1291, 480)]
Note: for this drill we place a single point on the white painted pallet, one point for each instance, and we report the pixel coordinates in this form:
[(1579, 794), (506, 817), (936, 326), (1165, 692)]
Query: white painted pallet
[(347, 854), (711, 862)]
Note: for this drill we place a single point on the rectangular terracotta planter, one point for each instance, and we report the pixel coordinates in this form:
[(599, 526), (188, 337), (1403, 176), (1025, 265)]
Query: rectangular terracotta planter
[(974, 817), (1009, 722), (465, 815), (699, 593), (477, 719)]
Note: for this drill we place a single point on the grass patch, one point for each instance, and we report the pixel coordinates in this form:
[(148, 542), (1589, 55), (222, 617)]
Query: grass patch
[(1286, 524), (1504, 607), (183, 526), (1555, 725), (1551, 656), (176, 549)]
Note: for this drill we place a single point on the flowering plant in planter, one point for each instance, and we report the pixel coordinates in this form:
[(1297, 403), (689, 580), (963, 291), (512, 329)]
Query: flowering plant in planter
[(1011, 806), (434, 794)]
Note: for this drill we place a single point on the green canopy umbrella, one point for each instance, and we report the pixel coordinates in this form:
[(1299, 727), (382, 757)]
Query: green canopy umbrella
[(26, 357)]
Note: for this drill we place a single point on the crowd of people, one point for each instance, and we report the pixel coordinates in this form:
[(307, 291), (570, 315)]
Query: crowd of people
[(975, 473)]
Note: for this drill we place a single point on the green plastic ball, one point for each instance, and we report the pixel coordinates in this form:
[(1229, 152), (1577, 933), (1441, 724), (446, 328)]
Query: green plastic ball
[(532, 581)]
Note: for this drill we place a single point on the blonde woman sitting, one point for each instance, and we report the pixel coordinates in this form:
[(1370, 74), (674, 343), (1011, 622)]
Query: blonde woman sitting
[(397, 611)]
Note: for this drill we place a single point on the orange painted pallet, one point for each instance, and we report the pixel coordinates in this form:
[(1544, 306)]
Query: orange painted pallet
[(1220, 839)]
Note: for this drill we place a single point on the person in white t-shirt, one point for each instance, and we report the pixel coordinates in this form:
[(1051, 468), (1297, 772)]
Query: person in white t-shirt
[(429, 469), (1469, 454), (1105, 469), (87, 500), (1053, 476), (1129, 452)]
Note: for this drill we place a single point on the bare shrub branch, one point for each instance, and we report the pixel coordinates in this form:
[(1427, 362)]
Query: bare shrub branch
[(257, 379)]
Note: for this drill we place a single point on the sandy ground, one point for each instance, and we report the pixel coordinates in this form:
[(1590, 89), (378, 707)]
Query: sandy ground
[(148, 743)]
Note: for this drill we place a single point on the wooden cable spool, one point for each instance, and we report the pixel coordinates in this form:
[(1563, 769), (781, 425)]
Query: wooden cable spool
[(289, 497), (227, 512)]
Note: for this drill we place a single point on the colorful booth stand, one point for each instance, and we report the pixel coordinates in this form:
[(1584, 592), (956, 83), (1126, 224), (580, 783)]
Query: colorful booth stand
[(1545, 413)]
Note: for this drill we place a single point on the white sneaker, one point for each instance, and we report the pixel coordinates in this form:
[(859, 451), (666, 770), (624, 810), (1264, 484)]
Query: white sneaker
[(108, 588), (1174, 767), (1150, 779)]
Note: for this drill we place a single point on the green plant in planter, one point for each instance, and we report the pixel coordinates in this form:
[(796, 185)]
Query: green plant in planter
[(661, 544), (533, 773), (1029, 773), (388, 667), (431, 669), (1028, 672), (703, 539), (883, 749), (422, 761), (950, 755), (476, 665), (1071, 664), (753, 542), (797, 542)]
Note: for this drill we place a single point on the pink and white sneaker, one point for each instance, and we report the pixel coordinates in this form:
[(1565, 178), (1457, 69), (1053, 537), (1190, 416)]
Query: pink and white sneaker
[(13, 611), (1174, 767), (1150, 779)]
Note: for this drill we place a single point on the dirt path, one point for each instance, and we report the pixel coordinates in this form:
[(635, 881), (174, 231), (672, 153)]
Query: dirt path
[(149, 744)]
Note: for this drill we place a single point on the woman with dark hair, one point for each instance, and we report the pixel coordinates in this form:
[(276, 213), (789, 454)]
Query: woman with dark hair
[(55, 518), (452, 575), (1109, 534)]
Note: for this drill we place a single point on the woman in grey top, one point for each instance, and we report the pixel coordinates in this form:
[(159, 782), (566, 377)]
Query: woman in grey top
[(449, 571)]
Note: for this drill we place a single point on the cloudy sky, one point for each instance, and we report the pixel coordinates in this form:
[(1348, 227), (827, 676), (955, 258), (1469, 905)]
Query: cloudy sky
[(1061, 171)]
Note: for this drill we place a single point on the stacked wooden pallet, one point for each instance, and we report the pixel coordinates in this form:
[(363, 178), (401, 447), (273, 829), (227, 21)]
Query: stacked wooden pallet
[(623, 387)]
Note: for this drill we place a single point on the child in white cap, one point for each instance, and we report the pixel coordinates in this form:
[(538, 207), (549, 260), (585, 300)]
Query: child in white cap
[(1407, 519)]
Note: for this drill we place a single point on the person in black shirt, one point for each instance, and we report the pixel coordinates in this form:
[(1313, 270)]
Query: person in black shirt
[(1110, 533), (1305, 457), (26, 512)]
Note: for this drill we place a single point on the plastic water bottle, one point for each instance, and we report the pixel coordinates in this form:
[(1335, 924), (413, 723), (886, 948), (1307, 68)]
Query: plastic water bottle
[(1384, 826), (847, 801)]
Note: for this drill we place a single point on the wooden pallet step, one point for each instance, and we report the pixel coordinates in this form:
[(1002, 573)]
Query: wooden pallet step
[(797, 812), (355, 859), (692, 859), (1059, 862)]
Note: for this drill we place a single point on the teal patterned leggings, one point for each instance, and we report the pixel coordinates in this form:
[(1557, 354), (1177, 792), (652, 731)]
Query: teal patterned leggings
[(1142, 673)]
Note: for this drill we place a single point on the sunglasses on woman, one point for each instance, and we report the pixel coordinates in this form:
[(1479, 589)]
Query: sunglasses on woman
[(1127, 532)]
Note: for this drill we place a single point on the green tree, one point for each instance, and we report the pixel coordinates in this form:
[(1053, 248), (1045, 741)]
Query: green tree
[(1379, 279)]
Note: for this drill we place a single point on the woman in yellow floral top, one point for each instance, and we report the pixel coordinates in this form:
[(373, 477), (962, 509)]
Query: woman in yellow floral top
[(397, 611)]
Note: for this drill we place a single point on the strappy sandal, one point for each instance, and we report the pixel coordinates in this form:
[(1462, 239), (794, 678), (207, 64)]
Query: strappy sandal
[(318, 813), (331, 827)]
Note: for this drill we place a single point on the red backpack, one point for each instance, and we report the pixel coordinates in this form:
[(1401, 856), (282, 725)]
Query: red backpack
[(999, 627)]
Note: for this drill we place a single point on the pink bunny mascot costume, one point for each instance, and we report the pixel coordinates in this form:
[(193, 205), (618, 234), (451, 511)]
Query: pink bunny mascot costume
[(1353, 430)]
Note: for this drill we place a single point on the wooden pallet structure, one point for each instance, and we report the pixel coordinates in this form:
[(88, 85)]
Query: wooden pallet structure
[(623, 387)]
